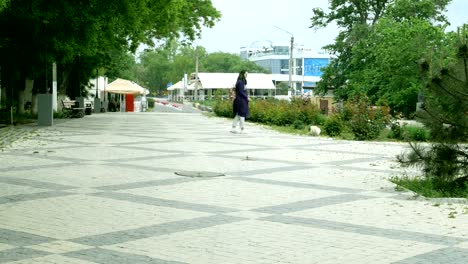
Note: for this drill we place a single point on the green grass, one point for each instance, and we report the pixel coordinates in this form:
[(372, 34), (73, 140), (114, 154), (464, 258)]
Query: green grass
[(430, 188), (290, 130), (210, 103)]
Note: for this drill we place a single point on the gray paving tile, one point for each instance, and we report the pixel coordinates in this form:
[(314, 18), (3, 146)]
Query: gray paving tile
[(156, 230), (269, 170), (366, 230), (262, 159), (36, 184), (44, 156), (357, 160), (151, 149), (313, 203), (149, 158), (34, 167), (299, 185), (449, 255), (351, 168), (154, 169), (229, 152), (105, 256), (136, 185), (166, 203), (17, 238), (31, 197), (17, 254)]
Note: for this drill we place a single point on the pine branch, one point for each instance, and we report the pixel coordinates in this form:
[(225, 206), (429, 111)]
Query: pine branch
[(448, 92), (439, 118), (454, 78)]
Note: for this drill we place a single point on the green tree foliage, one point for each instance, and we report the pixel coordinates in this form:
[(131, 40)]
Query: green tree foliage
[(228, 62), (372, 32), (155, 67), (445, 113), (82, 35), (3, 4), (354, 18), (120, 65), (169, 64), (386, 62)]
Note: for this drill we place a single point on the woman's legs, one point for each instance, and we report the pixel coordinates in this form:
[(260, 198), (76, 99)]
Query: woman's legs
[(241, 123), (234, 123), (238, 120)]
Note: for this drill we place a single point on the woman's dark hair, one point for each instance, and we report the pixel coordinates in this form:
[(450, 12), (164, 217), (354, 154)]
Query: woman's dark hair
[(242, 76)]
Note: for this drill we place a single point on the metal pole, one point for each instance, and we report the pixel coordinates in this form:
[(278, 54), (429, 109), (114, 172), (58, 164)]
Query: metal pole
[(196, 75), (290, 70), (54, 86), (291, 65)]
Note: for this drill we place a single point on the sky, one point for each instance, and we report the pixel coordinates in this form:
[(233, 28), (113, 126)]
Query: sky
[(245, 22)]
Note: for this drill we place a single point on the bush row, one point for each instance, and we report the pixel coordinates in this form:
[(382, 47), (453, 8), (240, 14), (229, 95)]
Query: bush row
[(277, 112), (357, 116)]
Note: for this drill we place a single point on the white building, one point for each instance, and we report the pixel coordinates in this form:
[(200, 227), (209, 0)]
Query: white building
[(258, 84), (307, 63)]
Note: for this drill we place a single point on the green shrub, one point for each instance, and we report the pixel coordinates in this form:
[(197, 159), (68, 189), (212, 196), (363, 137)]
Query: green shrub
[(297, 113), (415, 133), (298, 124), (333, 126), (221, 94), (366, 122), (408, 132), (306, 111), (223, 108), (60, 115), (395, 131), (150, 102), (318, 119)]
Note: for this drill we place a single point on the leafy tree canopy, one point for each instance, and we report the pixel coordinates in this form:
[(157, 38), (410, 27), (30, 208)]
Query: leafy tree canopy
[(379, 46), (34, 33), (169, 63)]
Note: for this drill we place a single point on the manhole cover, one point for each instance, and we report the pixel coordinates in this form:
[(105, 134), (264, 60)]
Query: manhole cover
[(199, 174)]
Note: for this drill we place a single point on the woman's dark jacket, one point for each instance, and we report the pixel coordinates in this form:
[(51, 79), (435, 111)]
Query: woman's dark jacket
[(241, 103)]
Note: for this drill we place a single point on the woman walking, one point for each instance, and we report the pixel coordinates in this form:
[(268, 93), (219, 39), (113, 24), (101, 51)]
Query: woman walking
[(240, 105)]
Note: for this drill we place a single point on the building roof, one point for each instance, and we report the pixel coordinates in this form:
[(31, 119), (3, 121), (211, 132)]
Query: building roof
[(209, 80), (216, 80)]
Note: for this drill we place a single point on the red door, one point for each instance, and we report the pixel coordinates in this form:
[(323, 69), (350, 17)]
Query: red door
[(129, 105)]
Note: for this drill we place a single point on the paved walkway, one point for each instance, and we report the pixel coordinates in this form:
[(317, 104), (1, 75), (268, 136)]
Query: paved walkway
[(106, 189)]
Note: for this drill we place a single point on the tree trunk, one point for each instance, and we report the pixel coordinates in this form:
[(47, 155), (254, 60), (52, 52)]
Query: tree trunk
[(21, 102), (27, 95), (2, 92), (34, 103), (3, 97)]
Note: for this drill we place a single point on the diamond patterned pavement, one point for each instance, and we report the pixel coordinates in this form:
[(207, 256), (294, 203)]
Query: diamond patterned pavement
[(103, 189)]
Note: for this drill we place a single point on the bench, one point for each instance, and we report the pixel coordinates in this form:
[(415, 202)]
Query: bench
[(88, 108), (71, 109)]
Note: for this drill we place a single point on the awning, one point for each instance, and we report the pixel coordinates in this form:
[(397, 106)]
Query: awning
[(121, 86)]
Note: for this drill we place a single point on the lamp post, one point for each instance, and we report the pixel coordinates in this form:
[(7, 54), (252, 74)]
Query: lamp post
[(290, 59)]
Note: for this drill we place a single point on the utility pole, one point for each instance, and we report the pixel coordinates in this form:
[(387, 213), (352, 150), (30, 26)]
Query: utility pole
[(196, 75), (291, 64)]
